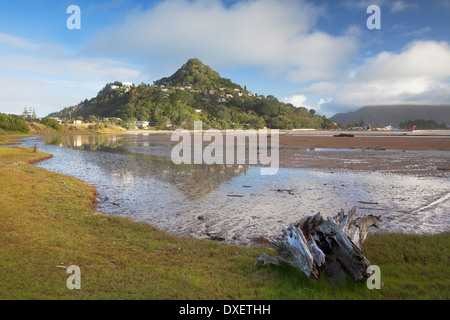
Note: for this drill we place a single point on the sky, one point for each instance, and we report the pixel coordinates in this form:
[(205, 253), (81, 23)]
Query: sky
[(317, 54)]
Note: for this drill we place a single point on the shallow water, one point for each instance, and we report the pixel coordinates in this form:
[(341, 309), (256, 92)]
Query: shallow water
[(136, 178)]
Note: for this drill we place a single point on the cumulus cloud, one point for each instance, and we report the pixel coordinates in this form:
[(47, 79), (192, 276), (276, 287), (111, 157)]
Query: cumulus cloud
[(418, 74), (296, 100), (276, 35)]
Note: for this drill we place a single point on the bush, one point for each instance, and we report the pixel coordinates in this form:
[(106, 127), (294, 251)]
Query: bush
[(13, 122), (52, 123)]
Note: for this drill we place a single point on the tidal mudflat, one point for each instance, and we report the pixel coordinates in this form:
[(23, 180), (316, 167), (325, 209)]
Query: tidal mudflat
[(135, 177)]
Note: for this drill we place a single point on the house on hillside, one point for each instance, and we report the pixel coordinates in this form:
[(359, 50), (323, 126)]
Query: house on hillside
[(221, 99), (57, 120), (143, 124), (127, 84)]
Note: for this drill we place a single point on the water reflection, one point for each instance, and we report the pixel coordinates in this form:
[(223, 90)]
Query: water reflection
[(136, 178), (145, 159)]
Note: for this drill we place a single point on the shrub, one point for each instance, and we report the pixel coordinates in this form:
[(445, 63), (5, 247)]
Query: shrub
[(11, 122), (52, 123)]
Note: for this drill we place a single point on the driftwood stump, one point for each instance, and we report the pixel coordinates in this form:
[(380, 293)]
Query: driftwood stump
[(333, 246)]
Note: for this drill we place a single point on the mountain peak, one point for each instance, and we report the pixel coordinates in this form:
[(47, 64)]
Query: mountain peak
[(197, 74)]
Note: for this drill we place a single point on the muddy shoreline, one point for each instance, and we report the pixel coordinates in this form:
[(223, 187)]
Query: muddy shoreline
[(418, 140), (418, 153)]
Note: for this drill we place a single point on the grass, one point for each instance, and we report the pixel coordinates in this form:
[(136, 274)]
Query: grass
[(11, 138), (47, 222)]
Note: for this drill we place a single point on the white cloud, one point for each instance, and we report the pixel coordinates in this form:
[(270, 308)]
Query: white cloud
[(399, 6), (16, 42), (361, 4), (43, 76), (395, 6), (417, 33), (418, 74), (276, 35), (45, 96), (296, 100), (70, 67)]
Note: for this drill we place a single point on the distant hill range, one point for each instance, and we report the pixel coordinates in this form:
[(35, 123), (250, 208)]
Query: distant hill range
[(394, 114)]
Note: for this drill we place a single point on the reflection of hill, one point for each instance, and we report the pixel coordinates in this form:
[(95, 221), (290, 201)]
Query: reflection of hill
[(194, 181)]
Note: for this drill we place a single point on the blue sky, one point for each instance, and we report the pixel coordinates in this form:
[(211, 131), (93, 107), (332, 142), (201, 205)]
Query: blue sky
[(318, 54)]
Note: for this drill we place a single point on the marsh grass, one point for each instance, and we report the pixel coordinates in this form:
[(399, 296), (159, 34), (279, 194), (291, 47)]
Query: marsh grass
[(48, 223)]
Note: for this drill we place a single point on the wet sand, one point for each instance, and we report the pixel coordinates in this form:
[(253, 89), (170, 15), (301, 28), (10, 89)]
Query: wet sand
[(420, 153), (408, 142), (417, 140)]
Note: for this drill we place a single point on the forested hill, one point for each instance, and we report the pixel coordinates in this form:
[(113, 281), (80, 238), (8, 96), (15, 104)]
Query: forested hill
[(395, 114), (194, 92)]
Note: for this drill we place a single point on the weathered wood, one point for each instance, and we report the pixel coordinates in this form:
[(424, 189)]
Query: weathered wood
[(333, 246)]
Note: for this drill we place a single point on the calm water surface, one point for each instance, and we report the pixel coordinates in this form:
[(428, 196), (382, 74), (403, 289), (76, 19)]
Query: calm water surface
[(136, 178)]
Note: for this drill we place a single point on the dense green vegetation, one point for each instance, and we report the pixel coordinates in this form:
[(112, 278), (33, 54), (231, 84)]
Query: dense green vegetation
[(52, 123), (13, 123), (194, 92)]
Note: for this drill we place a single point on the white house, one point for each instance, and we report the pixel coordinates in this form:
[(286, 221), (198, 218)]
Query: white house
[(141, 124), (77, 122), (127, 84)]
